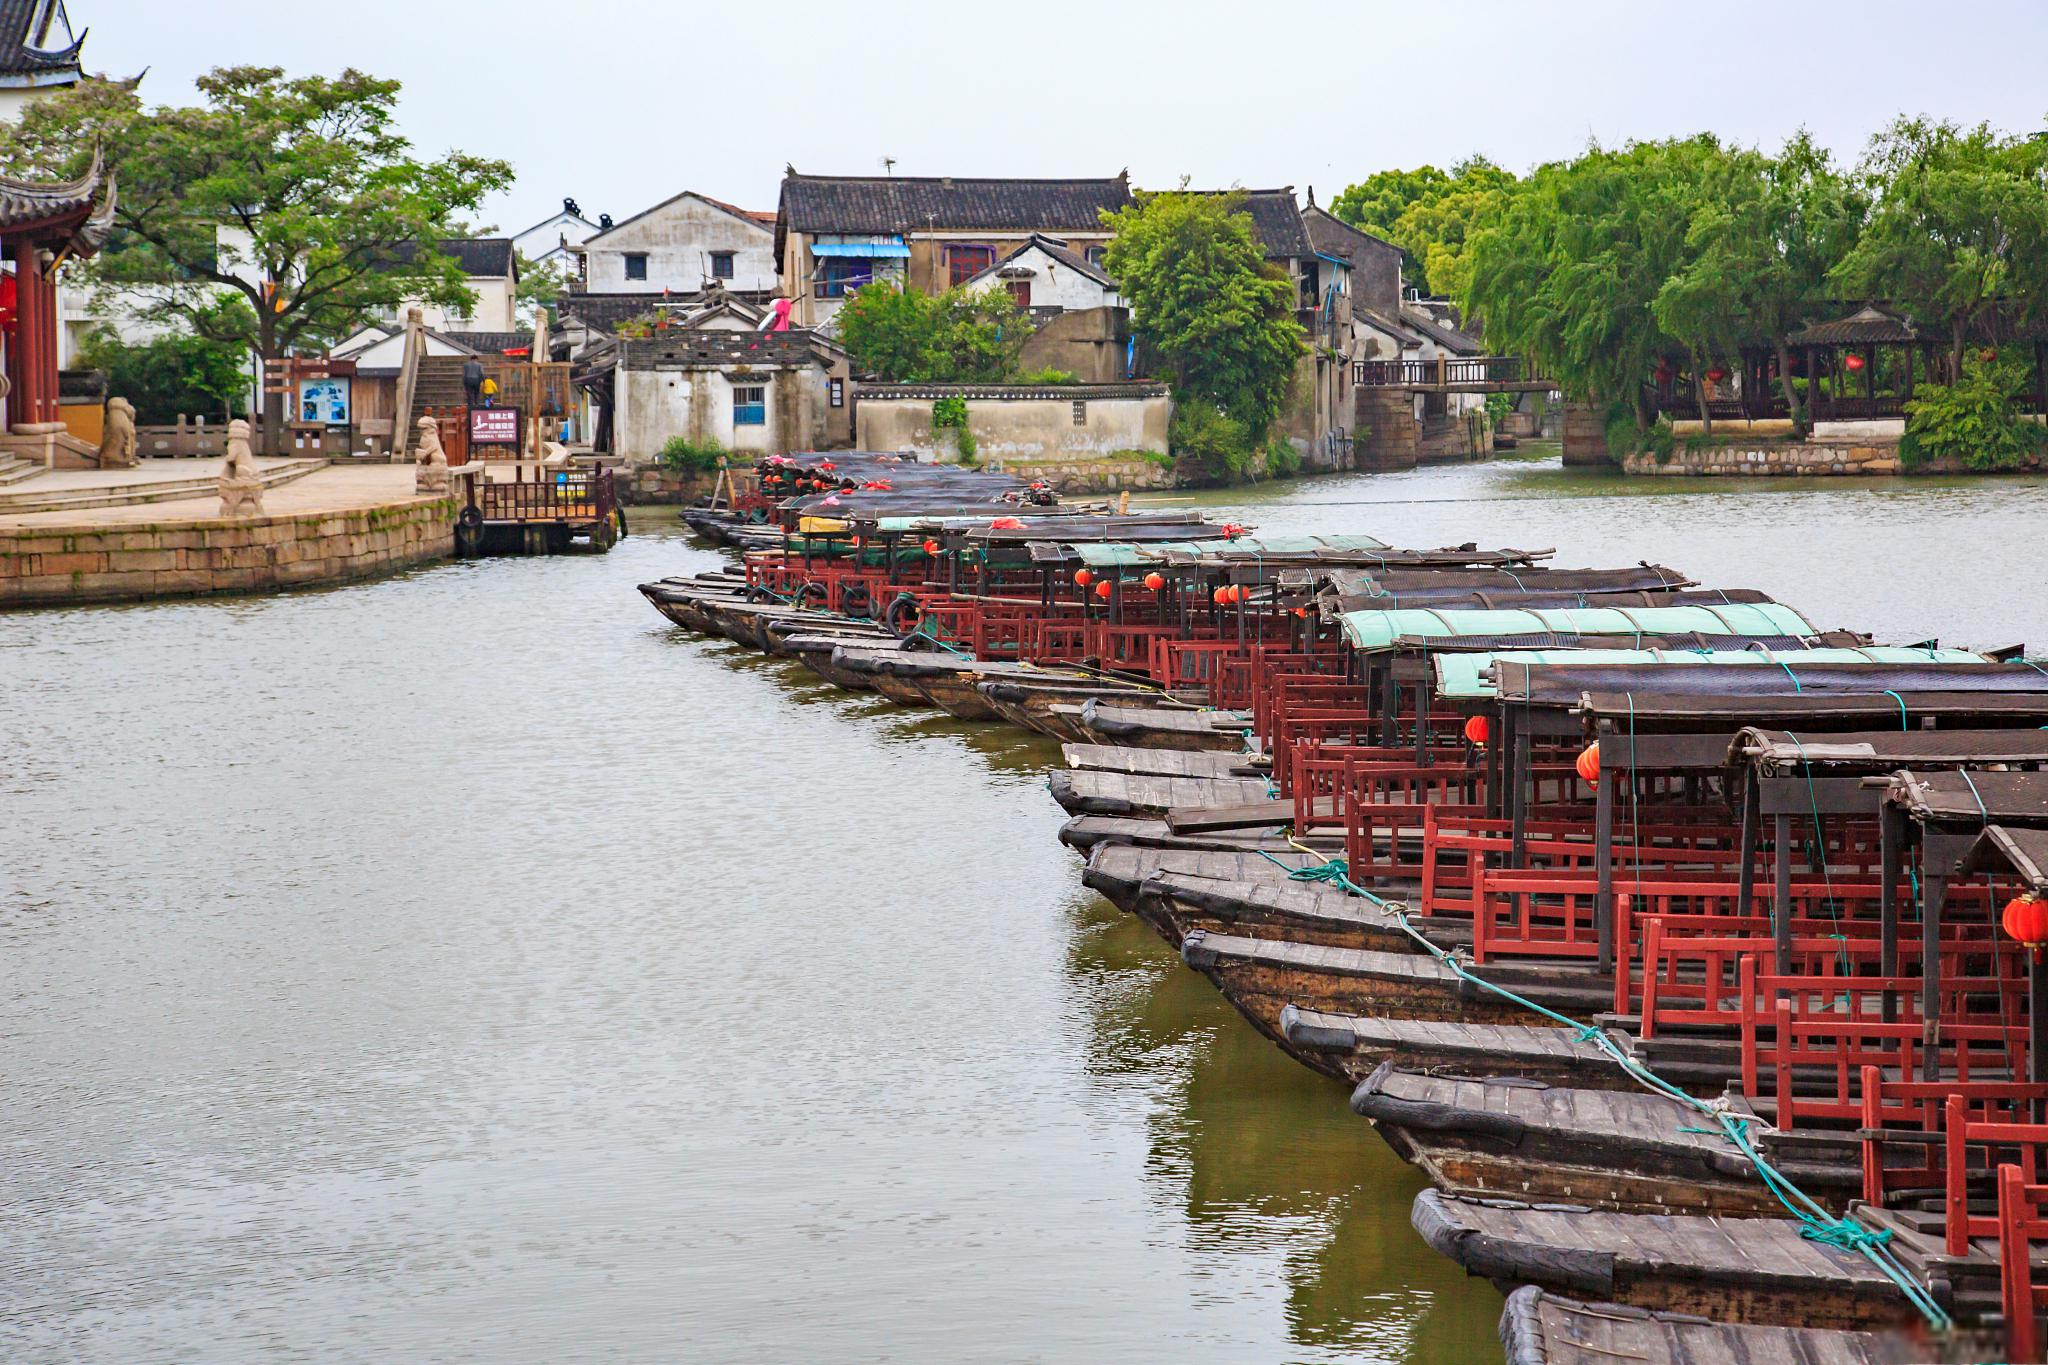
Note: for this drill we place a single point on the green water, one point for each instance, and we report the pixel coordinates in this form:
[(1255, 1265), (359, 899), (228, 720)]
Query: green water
[(471, 966)]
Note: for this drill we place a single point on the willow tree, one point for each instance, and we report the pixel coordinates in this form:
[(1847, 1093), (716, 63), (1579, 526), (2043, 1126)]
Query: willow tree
[(1958, 230), (1764, 233), (297, 195), (1570, 271), (1429, 213)]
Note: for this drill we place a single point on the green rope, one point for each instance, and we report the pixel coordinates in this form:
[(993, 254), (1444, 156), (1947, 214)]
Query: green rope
[(1817, 1225)]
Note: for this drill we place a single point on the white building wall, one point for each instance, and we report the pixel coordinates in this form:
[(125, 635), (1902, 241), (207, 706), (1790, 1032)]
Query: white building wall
[(1053, 285), (678, 239)]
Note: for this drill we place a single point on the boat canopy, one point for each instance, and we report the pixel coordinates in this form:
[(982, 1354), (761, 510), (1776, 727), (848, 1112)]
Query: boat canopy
[(1123, 555), (1380, 629), (1470, 676)]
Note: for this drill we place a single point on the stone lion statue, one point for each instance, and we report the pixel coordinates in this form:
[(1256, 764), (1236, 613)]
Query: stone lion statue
[(241, 487), (430, 468), (117, 437)]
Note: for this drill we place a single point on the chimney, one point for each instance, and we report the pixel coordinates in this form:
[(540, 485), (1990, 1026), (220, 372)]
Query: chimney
[(604, 222)]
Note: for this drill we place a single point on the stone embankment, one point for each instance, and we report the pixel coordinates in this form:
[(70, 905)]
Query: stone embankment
[(1767, 459)]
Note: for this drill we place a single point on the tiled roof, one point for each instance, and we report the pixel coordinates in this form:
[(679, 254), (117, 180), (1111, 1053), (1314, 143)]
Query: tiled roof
[(604, 312), (1867, 326), (477, 255), (24, 29), (1452, 339), (821, 203), (1276, 222), (753, 217), (1395, 328), (489, 343)]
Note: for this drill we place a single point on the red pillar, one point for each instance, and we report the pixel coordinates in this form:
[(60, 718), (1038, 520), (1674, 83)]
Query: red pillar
[(32, 363)]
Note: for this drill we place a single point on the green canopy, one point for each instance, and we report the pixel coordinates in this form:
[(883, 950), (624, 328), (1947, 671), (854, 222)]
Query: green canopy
[(1378, 629), (1463, 676)]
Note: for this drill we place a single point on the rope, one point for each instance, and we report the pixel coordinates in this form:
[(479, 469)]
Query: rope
[(1820, 848), (1902, 706), (1817, 1225), (1797, 686), (1978, 796)]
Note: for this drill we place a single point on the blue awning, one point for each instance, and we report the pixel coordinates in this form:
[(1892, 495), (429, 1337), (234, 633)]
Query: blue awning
[(871, 250)]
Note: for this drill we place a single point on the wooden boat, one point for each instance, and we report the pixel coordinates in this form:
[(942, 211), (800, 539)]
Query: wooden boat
[(1745, 1270), (1538, 1327), (1053, 707), (1263, 903), (953, 683), (1630, 1151), (815, 653), (1115, 721), (1261, 977), (1120, 871), (1085, 832), (1124, 758), (867, 662), (1353, 1046), (1091, 792)]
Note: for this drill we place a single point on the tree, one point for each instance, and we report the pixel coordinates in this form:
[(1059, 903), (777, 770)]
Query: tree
[(955, 337), (1760, 243), (180, 375), (1958, 231), (1204, 300), (1429, 214), (540, 286), (297, 194), (1569, 273)]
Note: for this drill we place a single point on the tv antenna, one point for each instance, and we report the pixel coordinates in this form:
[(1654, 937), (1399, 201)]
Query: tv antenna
[(888, 165)]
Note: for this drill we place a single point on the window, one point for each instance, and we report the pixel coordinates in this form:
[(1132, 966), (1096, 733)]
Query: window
[(721, 265), (1094, 254), (837, 389), (750, 406), (1020, 290), (839, 276), (1080, 412), (636, 265), (963, 263)]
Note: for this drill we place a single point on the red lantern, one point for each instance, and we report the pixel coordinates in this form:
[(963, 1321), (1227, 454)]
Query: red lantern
[(1588, 764), (1082, 578), (1852, 361), (1220, 596), (1302, 612), (2026, 921), (1716, 375), (931, 547), (1155, 580), (1478, 729), (1103, 589), (1006, 524)]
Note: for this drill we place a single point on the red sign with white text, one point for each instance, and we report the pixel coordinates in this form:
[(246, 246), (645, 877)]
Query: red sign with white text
[(494, 426)]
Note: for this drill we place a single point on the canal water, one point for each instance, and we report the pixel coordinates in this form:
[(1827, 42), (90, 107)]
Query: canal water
[(470, 966)]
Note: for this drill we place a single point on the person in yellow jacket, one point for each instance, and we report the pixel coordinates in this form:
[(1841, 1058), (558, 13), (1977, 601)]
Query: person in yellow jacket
[(490, 392)]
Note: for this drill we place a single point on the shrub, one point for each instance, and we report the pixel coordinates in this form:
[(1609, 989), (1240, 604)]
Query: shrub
[(179, 375), (682, 453), (955, 337), (1209, 445), (1974, 419), (950, 413), (1283, 461), (1048, 376)]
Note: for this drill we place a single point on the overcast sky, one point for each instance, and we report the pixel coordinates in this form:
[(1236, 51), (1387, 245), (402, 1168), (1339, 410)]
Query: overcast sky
[(623, 104)]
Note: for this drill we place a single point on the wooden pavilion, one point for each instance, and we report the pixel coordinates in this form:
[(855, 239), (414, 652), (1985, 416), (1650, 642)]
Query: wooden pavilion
[(41, 227)]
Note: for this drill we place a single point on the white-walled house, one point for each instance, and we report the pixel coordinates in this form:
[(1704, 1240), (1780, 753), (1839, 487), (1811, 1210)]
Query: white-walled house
[(681, 246), (489, 264), (1045, 273), (39, 53), (552, 240)]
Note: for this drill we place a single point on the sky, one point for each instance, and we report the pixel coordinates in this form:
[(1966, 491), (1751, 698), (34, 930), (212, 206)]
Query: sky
[(622, 105)]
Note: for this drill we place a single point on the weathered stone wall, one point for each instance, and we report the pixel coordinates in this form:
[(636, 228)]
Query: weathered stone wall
[(1385, 436), (644, 484), (1758, 459), (1585, 437), (1097, 476), (1018, 424), (49, 565), (1089, 343), (1453, 436)]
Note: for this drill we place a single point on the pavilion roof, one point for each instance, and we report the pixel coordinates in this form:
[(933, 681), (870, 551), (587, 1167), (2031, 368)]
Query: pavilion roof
[(2021, 851), (1967, 797), (1867, 326), (83, 208), (1874, 751)]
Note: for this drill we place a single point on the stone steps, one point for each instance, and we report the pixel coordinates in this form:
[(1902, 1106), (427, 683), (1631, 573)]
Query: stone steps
[(119, 495), (14, 469)]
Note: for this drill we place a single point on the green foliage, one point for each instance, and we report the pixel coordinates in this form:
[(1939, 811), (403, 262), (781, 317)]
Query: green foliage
[(539, 286), (1430, 215), (682, 453), (1498, 406), (956, 337), (180, 375), (1282, 461), (950, 414), (1209, 445), (311, 169), (1048, 376), (1959, 229), (1205, 302), (1974, 420)]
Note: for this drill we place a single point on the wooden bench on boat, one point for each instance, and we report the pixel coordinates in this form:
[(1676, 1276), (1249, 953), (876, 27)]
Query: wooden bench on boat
[(1538, 1327)]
